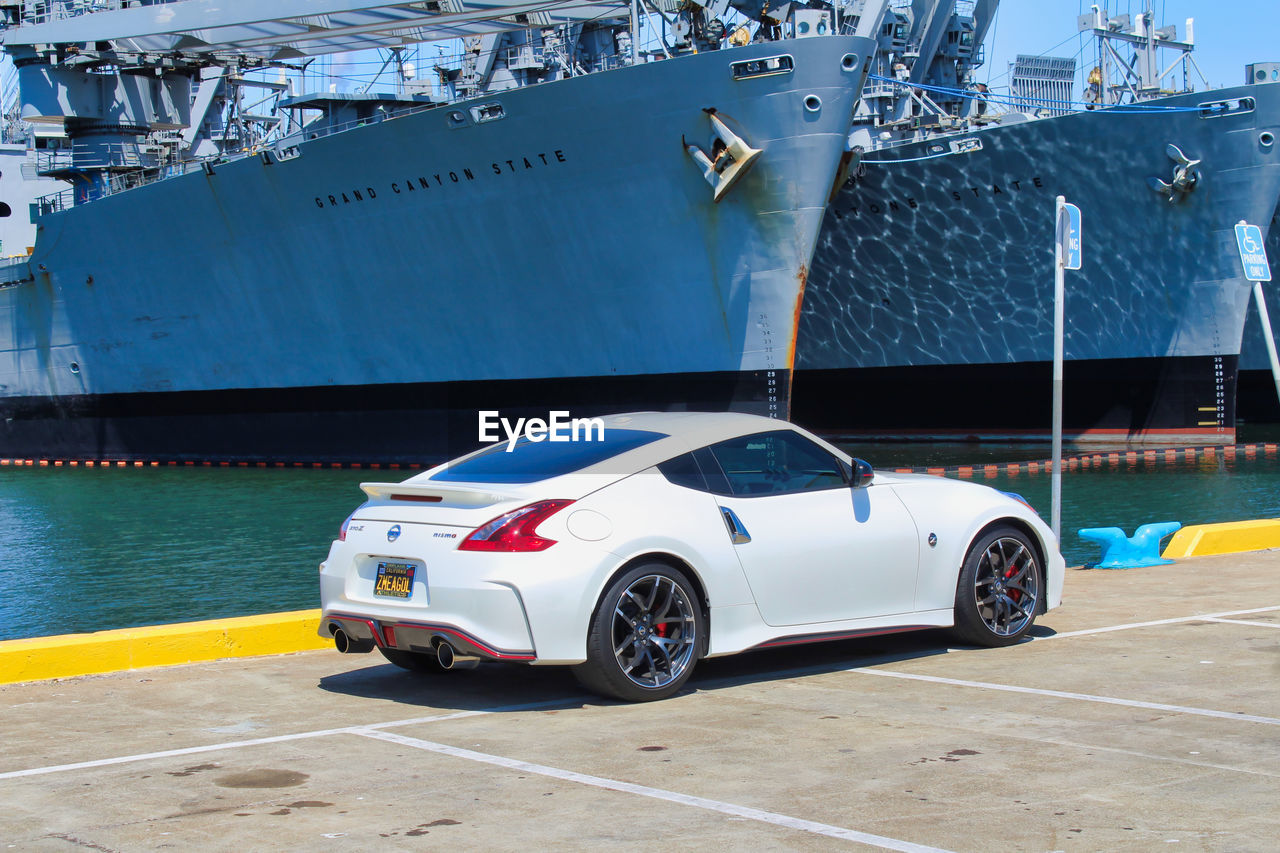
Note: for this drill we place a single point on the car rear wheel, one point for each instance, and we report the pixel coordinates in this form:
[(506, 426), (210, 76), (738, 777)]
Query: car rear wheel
[(412, 661), (644, 637), (998, 594)]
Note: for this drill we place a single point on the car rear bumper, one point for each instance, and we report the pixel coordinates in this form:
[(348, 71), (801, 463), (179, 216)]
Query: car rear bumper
[(414, 636), (475, 616)]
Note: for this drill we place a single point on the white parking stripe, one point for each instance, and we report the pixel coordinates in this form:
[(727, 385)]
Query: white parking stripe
[(1244, 622), (167, 753), (239, 744), (657, 793), (1207, 617), (1081, 697)]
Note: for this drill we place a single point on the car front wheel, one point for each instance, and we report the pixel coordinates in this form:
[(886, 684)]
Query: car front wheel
[(998, 594), (644, 636)]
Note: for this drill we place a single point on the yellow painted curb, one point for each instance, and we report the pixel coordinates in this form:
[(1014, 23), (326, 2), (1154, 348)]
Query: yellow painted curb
[(1231, 537), (41, 658)]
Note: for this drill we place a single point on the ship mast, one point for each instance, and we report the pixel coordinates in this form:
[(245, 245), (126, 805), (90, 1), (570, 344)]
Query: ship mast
[(1116, 80)]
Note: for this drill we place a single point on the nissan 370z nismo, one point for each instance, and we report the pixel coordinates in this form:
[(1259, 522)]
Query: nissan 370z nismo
[(670, 538)]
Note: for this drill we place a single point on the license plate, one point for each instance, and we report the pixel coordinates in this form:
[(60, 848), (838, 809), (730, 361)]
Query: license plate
[(394, 580)]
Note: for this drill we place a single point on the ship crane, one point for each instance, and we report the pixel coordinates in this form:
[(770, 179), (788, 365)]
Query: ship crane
[(281, 30), (142, 87)]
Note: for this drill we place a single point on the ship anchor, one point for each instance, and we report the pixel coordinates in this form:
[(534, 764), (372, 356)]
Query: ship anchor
[(731, 157), (1185, 176)]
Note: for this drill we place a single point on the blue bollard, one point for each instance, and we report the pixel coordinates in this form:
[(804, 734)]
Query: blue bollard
[(1121, 552)]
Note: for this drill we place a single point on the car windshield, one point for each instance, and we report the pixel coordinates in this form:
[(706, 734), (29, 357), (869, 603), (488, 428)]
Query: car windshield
[(531, 461)]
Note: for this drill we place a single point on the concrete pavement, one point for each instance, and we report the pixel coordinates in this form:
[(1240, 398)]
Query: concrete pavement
[(1144, 715)]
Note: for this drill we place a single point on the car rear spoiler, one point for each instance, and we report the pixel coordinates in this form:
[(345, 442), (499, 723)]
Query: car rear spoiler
[(435, 494)]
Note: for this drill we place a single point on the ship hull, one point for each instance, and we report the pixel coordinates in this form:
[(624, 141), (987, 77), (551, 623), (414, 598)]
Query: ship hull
[(937, 271), (385, 423), (1117, 398), (567, 256)]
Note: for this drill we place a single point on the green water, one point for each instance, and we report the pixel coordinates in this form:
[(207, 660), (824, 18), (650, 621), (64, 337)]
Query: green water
[(92, 549)]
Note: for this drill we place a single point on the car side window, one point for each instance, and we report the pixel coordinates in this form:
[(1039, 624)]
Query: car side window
[(774, 463), (684, 471)]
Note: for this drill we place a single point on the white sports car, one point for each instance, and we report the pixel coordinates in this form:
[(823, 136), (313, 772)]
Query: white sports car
[(672, 537)]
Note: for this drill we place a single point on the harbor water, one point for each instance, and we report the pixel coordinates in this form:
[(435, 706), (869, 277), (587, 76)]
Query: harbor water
[(88, 549)]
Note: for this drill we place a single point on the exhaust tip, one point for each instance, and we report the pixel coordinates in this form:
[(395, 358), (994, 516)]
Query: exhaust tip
[(444, 652), (346, 644), (449, 657)]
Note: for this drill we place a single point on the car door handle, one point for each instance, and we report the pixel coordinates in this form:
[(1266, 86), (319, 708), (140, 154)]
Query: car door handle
[(737, 531)]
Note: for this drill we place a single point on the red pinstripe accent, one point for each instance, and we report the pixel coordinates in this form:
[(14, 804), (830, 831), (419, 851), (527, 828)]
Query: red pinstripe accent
[(803, 639), (469, 640), (373, 626)]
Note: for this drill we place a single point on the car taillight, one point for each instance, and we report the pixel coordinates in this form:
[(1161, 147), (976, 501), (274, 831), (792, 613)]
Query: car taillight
[(513, 531)]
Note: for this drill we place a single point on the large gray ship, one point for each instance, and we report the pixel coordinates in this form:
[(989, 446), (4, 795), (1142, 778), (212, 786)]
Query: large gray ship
[(928, 311), (579, 223)]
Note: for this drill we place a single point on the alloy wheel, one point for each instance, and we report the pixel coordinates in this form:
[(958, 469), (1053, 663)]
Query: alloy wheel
[(1007, 587), (654, 631)]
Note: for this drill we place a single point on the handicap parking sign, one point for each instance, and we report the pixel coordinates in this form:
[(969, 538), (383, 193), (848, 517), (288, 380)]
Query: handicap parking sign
[(1253, 254)]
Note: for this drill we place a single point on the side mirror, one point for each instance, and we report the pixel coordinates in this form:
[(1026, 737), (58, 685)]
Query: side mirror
[(862, 474)]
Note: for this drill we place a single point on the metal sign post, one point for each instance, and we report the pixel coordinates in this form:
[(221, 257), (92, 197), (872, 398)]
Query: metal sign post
[(1067, 255), (1253, 257)]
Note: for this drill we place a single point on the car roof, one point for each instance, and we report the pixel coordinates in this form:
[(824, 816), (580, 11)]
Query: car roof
[(685, 431), (714, 425), (682, 431)]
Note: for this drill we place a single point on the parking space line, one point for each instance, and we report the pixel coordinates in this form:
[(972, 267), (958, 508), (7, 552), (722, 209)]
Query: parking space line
[(1146, 756), (1244, 622), (1080, 697), (1207, 617), (262, 741), (656, 793)]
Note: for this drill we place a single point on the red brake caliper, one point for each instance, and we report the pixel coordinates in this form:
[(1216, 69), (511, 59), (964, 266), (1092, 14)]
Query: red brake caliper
[(1013, 593)]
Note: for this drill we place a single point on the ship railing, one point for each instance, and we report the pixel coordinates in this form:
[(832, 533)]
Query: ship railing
[(120, 155), (609, 62), (54, 202), (880, 90), (64, 199), (525, 56), (318, 129), (51, 161)]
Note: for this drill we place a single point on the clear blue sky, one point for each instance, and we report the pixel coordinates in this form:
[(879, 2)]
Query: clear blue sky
[(1228, 33)]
